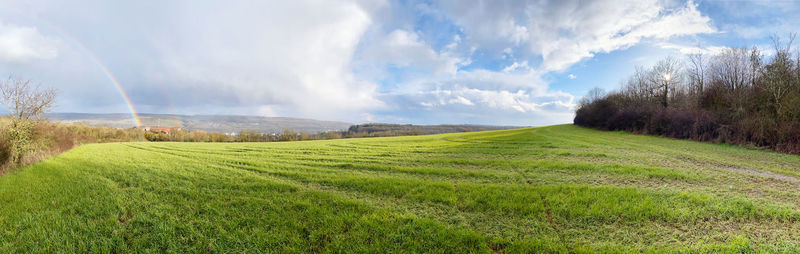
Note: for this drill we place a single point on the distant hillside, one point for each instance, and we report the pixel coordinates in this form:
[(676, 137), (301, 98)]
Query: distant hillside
[(377, 129), (210, 123)]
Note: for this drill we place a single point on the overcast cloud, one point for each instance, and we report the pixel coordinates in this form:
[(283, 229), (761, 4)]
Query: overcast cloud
[(486, 62)]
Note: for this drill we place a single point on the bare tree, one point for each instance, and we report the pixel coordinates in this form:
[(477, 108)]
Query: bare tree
[(697, 72), (27, 103), (756, 64), (596, 93), (733, 69), (638, 86), (779, 77), (665, 76), (735, 72)]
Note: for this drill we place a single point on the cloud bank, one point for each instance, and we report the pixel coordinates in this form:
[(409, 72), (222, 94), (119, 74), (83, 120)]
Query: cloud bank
[(490, 62)]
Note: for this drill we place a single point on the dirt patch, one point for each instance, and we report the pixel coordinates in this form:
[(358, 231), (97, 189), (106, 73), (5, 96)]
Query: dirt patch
[(766, 174), (748, 171)]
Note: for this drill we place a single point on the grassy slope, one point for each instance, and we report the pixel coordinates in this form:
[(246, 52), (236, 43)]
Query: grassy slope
[(537, 189)]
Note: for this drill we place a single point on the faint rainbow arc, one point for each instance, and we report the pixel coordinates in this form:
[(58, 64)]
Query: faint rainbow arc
[(136, 120), (75, 42)]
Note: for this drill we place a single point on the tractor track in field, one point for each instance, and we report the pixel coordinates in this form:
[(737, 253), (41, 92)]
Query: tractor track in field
[(742, 170), (765, 174), (444, 174), (681, 155), (440, 212), (423, 183)]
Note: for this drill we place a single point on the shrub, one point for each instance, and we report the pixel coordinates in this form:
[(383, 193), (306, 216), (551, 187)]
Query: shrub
[(735, 98), (596, 114)]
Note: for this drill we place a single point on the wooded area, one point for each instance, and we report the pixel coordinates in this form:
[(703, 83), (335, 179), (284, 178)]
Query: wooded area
[(738, 96)]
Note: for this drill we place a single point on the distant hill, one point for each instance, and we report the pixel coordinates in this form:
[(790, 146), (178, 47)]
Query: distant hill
[(377, 129), (236, 123), (210, 123)]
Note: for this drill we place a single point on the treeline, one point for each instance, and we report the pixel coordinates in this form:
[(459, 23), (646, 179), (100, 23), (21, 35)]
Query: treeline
[(383, 130), (179, 135), (43, 139), (355, 131), (738, 96), (25, 137), (23, 142), (46, 139)]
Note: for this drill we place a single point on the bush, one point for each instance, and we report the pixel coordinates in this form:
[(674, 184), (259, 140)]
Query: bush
[(596, 114), (47, 139), (629, 119)]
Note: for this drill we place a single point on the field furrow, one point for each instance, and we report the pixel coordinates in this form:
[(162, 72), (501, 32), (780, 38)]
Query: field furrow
[(548, 189)]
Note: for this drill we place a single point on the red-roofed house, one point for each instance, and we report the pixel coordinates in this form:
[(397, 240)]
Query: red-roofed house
[(158, 129)]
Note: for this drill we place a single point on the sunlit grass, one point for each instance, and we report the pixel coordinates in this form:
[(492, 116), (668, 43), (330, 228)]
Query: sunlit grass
[(558, 188)]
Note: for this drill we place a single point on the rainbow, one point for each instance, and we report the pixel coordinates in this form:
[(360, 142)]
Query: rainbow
[(135, 116), (77, 44)]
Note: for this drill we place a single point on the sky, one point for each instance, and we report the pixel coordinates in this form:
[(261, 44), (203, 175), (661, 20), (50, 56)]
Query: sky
[(516, 62)]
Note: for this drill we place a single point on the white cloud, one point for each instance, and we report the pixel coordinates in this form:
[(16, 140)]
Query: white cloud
[(461, 100), (25, 43), (405, 49), (523, 66), (709, 50), (367, 117), (267, 111), (686, 20), (297, 61), (571, 76), (516, 97), (565, 32)]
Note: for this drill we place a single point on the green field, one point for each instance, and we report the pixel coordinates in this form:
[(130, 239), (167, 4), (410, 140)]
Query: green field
[(558, 188)]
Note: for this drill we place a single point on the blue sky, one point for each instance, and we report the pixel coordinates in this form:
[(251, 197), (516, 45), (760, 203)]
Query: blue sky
[(515, 62)]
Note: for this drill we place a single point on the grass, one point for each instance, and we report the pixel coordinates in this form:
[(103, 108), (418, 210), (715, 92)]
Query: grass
[(548, 189)]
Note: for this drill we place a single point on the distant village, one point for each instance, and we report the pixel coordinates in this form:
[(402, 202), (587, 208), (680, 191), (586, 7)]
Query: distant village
[(158, 129), (172, 129)]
